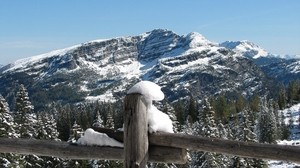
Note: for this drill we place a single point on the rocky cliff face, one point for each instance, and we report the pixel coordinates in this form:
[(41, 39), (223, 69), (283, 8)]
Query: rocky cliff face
[(282, 69), (105, 69)]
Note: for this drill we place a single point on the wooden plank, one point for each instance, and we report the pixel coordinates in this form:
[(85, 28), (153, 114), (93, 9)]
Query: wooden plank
[(158, 154), (58, 149), (65, 150), (163, 154), (70, 151), (236, 148), (135, 132)]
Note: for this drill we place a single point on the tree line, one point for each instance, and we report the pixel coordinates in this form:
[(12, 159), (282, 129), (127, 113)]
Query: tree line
[(237, 118)]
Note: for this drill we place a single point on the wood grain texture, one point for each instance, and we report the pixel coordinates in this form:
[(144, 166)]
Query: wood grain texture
[(135, 132), (157, 154), (236, 148), (58, 149)]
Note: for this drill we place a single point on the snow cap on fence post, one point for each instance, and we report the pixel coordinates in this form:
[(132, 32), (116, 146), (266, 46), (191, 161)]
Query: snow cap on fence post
[(149, 90), (156, 119)]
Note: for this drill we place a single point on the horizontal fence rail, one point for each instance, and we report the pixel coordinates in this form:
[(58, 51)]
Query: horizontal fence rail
[(158, 154), (166, 143), (236, 148)]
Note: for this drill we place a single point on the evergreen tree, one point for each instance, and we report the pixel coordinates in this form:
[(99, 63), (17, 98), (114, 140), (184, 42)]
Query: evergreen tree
[(6, 120), (47, 130), (98, 122), (207, 127), (223, 133), (282, 98), (118, 114), (254, 104), (233, 127), (192, 110), (26, 124), (7, 131), (179, 112), (267, 124), (75, 133), (293, 92), (284, 129), (222, 108), (64, 122), (246, 133), (110, 119), (169, 110), (24, 117), (240, 103)]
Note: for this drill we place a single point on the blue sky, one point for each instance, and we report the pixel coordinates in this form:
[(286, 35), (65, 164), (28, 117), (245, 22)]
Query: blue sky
[(32, 27)]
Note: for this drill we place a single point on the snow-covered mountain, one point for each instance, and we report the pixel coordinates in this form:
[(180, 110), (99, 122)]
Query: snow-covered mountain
[(246, 48), (282, 68), (104, 69)]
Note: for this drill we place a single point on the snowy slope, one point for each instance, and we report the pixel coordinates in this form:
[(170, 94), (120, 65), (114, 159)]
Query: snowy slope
[(283, 68), (103, 69), (27, 62), (246, 48), (292, 113)]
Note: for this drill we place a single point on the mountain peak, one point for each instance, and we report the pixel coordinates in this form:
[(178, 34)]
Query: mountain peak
[(164, 32), (196, 40), (246, 48)]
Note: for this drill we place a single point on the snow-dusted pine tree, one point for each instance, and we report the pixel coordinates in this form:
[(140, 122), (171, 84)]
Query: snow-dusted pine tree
[(24, 118), (169, 110), (26, 124), (7, 131), (267, 126), (98, 122), (64, 122), (6, 120), (75, 133), (109, 119), (47, 129), (207, 127), (246, 133)]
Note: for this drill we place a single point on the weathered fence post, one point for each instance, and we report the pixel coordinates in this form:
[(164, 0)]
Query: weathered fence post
[(135, 132)]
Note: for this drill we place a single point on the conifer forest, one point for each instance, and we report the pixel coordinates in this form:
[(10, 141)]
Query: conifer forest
[(256, 119)]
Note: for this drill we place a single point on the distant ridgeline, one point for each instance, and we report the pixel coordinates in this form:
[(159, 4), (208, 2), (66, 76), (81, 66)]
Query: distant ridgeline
[(183, 65)]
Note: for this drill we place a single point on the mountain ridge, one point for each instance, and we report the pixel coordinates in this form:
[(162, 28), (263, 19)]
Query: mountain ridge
[(103, 69)]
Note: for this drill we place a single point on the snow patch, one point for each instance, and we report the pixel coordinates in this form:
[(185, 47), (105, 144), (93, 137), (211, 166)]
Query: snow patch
[(158, 121), (197, 40), (106, 97), (93, 138), (22, 63)]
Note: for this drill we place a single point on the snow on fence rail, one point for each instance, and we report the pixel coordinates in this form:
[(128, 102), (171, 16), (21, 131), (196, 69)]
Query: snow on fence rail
[(141, 147)]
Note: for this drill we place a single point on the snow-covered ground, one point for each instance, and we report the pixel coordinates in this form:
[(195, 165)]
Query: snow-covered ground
[(293, 114)]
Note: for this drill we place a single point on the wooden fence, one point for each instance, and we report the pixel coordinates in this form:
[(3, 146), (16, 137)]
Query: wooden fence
[(141, 147)]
